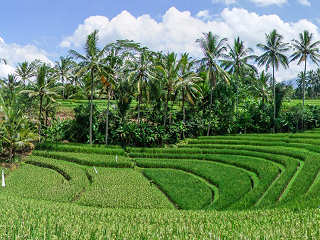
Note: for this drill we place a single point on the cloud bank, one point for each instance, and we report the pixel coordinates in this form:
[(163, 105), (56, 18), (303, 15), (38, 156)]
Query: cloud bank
[(15, 53)]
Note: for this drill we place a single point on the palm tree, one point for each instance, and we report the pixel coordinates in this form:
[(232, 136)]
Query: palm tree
[(187, 80), (237, 60), (9, 86), (260, 86), (26, 70), (14, 128), (140, 68), (93, 62), (273, 56), (305, 48), (213, 49), (43, 88), (167, 72), (64, 68)]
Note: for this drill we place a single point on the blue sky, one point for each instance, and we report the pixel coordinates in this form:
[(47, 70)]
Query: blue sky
[(48, 28)]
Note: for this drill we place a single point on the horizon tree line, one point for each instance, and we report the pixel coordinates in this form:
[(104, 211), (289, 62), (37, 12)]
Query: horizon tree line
[(124, 71)]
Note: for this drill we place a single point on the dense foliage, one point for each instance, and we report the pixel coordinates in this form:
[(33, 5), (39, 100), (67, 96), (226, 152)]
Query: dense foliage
[(149, 98)]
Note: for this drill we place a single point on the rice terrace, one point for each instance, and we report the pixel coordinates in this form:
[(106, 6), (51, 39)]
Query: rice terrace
[(201, 121)]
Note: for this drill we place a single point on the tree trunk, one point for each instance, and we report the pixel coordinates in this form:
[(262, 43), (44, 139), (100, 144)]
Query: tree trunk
[(166, 110), (40, 117), (11, 152), (46, 121), (304, 90), (63, 87), (211, 101), (139, 103), (91, 108), (107, 119), (184, 114), (274, 99)]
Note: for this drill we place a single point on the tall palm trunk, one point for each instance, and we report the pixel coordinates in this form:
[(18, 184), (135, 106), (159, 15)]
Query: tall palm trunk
[(107, 119), (211, 99), (139, 104), (274, 99), (166, 109), (40, 117), (304, 89), (91, 108), (184, 114)]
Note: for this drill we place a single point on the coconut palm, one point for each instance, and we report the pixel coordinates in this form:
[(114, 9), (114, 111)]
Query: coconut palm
[(273, 56), (93, 62), (139, 71), (167, 72), (305, 48), (64, 68), (187, 80), (10, 86), (26, 70), (43, 88), (237, 60), (260, 86), (213, 49), (14, 129)]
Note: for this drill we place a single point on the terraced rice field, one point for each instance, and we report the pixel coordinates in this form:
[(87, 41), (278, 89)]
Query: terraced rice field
[(259, 179)]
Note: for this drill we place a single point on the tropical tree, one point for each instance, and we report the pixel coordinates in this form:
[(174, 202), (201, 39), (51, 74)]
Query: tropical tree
[(26, 70), (14, 128), (237, 61), (93, 61), (261, 88), (305, 48), (167, 72), (273, 55), (10, 86), (187, 83), (64, 68), (140, 71), (43, 88), (213, 49)]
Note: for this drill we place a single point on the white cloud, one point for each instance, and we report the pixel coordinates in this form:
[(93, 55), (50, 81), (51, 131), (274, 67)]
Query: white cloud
[(177, 31), (204, 14), (227, 2), (305, 3), (264, 3), (15, 53)]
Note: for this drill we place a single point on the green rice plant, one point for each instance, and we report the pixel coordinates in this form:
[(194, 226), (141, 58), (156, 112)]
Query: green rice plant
[(35, 182), (232, 182), (91, 146), (277, 190), (185, 190), (88, 159), (81, 148), (122, 188), (77, 179), (32, 219)]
